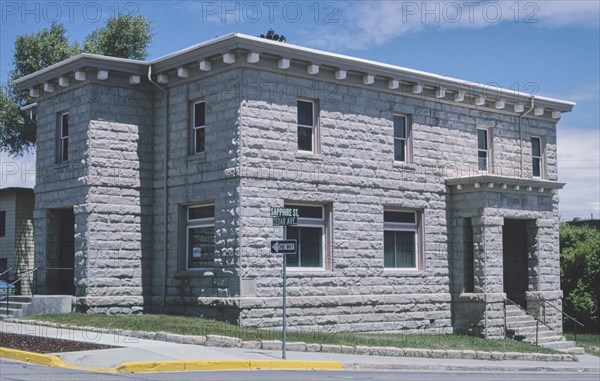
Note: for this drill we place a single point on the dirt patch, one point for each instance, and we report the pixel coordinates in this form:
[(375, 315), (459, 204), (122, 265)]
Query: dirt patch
[(45, 344)]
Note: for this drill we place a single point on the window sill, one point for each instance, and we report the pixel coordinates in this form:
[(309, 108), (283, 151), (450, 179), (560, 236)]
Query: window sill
[(306, 155), (403, 272), (62, 164), (198, 156), (196, 273), (306, 270), (405, 165)]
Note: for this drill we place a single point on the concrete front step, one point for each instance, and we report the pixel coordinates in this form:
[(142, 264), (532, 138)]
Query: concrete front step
[(541, 335), (574, 351), (559, 345), (524, 325), (547, 339), (528, 327), (21, 299), (11, 311), (13, 305)]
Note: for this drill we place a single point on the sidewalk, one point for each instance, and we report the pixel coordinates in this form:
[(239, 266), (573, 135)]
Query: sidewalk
[(141, 355)]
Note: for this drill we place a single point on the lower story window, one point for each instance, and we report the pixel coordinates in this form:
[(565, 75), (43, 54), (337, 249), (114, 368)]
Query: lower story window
[(200, 234), (310, 236), (401, 239)]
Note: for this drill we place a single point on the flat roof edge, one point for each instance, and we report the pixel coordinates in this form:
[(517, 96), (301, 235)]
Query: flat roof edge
[(286, 50)]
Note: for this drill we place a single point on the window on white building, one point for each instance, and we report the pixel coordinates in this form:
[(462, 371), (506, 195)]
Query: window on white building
[(402, 139), (483, 149), (310, 236), (63, 137), (401, 239), (307, 126), (537, 157), (198, 130), (200, 236)]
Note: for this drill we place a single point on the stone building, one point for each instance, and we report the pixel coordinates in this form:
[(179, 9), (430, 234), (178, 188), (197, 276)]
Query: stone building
[(16, 235), (424, 201)]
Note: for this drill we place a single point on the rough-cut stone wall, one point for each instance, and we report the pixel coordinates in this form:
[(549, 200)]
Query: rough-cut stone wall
[(107, 182), (58, 185), (356, 177), (210, 177), (115, 183)]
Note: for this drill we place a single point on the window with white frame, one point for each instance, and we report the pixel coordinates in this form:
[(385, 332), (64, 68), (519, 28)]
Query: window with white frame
[(198, 131), (401, 239), (537, 157), (402, 138), (307, 125), (200, 236), (483, 149), (63, 137), (309, 234)]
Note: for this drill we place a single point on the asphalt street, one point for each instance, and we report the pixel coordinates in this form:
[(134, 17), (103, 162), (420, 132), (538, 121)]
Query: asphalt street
[(18, 371)]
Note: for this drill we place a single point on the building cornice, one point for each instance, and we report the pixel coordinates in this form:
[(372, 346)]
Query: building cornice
[(230, 48), (499, 183)]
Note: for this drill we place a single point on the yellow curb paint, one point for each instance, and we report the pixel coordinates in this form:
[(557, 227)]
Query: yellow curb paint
[(175, 366), (172, 366), (46, 360), (291, 365)]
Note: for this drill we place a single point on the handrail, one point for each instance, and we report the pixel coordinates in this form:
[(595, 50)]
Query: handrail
[(537, 321), (563, 313), (556, 308), (26, 273), (13, 283), (4, 272)]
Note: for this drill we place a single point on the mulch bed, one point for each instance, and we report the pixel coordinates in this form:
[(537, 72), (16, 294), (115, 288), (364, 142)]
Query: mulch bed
[(39, 344)]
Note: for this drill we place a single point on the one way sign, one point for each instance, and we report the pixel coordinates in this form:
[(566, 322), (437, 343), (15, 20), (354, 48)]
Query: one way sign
[(287, 246)]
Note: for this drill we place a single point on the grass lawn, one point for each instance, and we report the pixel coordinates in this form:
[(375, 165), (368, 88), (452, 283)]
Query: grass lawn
[(589, 341), (186, 325)]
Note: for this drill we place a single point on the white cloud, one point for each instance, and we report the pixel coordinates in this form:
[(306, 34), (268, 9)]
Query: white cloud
[(579, 167), (566, 13), (376, 22), (17, 172)]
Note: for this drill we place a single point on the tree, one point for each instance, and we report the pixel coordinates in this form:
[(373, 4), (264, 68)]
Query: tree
[(32, 52), (17, 132), (125, 36), (580, 273), (39, 50)]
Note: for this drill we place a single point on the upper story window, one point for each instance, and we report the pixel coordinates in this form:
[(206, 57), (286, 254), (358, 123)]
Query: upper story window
[(307, 125), (537, 157), (401, 244), (483, 149), (402, 138), (63, 137), (2, 223), (200, 236), (198, 130), (310, 236)]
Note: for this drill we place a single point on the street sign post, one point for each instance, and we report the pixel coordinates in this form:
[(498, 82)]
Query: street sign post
[(284, 216), (285, 247)]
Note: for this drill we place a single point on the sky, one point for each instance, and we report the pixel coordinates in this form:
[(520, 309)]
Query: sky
[(543, 47)]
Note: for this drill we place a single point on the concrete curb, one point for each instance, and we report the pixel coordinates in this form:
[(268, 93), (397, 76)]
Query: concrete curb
[(233, 342), (41, 359), (196, 365), (171, 366), (469, 368)]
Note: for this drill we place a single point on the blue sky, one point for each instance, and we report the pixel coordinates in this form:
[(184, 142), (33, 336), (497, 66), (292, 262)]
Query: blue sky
[(548, 47)]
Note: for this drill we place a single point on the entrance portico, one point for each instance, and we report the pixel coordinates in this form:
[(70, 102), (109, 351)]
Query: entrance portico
[(504, 218)]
